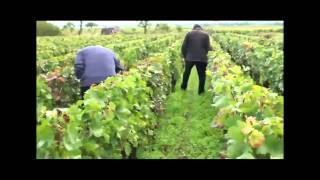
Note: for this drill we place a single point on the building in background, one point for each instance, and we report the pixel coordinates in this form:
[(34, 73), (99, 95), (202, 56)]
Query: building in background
[(112, 30)]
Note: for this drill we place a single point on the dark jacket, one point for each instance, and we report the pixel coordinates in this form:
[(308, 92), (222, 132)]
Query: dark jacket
[(195, 46), (94, 64)]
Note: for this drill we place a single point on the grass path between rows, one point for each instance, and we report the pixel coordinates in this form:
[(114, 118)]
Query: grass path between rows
[(185, 130)]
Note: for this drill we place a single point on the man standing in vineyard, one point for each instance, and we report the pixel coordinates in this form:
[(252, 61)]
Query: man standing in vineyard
[(194, 49), (93, 65)]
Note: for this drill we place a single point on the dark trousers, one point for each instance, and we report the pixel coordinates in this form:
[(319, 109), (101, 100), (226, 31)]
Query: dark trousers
[(84, 89), (201, 69)]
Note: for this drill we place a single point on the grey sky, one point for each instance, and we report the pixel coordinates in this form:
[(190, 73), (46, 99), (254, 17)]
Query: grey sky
[(135, 23)]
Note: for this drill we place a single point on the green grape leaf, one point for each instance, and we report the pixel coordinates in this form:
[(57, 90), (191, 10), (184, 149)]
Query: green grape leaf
[(96, 128), (127, 148), (267, 112), (262, 150), (150, 132), (72, 154), (71, 139), (48, 96), (248, 107), (236, 149), (234, 132), (230, 121), (218, 87), (274, 145), (45, 134), (93, 104), (220, 101), (90, 146), (246, 87), (124, 111), (106, 138), (246, 155), (97, 132), (112, 106), (75, 113)]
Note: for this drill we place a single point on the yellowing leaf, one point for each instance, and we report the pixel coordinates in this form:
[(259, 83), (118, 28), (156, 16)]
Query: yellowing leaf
[(246, 130), (208, 73), (256, 139)]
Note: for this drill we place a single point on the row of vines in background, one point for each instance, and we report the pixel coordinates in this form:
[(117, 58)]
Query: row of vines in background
[(252, 31), (264, 63), (268, 39), (46, 62), (251, 114), (48, 47)]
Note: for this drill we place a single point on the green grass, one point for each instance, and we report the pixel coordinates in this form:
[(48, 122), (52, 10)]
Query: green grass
[(185, 131)]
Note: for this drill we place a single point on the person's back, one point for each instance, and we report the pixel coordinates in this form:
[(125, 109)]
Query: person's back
[(196, 46), (99, 64), (93, 65)]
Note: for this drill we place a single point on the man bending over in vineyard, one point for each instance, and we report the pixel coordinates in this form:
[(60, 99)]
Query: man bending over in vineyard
[(93, 65), (194, 49)]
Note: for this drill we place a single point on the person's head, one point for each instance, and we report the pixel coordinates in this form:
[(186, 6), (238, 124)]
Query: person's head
[(197, 27)]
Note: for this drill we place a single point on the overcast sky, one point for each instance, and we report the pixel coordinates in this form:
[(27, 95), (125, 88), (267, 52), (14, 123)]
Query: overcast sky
[(134, 23)]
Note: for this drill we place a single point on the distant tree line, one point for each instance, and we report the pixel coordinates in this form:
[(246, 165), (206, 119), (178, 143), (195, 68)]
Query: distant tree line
[(47, 29)]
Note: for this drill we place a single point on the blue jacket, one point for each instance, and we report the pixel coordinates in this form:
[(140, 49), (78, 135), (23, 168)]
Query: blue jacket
[(94, 64)]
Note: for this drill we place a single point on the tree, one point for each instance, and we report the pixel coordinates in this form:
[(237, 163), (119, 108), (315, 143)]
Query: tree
[(47, 29), (144, 25), (91, 24), (163, 27), (179, 28), (80, 31), (69, 26), (205, 26)]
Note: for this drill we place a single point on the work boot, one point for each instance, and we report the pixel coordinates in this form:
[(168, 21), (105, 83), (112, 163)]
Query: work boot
[(200, 92), (183, 88)]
